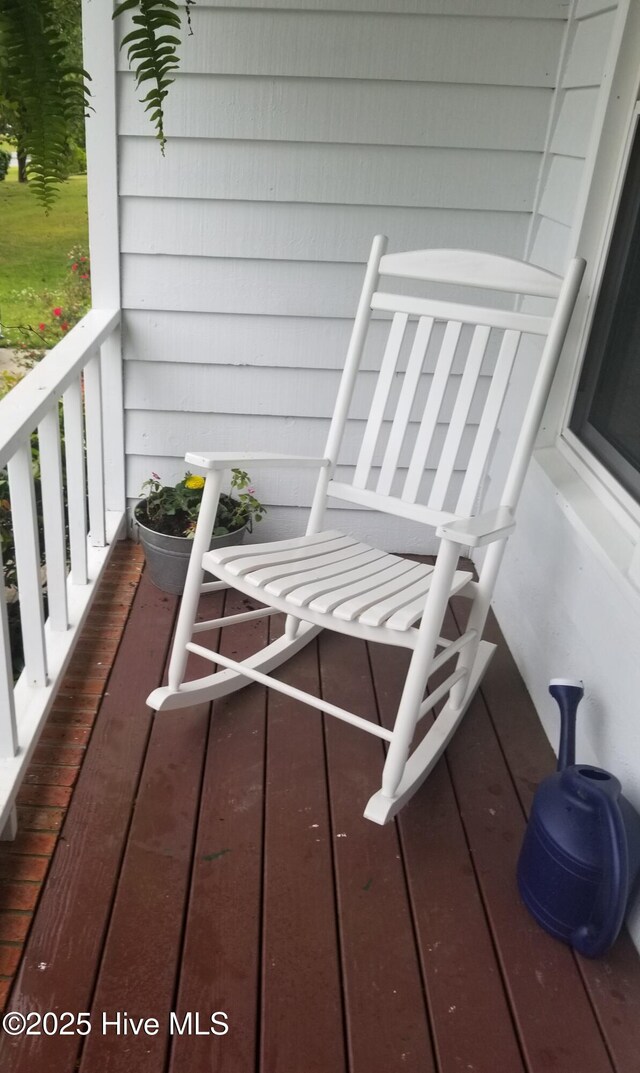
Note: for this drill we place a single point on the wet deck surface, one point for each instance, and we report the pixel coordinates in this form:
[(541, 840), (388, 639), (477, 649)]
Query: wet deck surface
[(219, 861)]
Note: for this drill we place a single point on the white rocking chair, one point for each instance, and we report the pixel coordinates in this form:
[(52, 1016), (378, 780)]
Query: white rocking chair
[(329, 579)]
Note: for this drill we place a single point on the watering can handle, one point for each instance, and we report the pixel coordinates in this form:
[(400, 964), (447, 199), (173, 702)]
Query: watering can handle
[(593, 939)]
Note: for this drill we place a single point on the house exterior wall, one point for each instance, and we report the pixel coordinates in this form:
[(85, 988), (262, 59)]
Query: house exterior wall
[(568, 598), (297, 131)]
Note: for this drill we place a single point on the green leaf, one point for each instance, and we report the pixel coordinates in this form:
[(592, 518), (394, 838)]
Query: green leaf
[(152, 51), (50, 92)]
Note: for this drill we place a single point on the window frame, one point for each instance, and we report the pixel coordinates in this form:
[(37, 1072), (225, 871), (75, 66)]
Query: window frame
[(613, 284), (596, 474)]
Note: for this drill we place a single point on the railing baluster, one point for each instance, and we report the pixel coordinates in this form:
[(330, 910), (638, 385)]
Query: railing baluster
[(34, 405), (25, 531), (8, 730), (95, 451), (53, 515), (76, 482)]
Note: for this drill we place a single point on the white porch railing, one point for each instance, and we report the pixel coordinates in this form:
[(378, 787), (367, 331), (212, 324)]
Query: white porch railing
[(71, 372)]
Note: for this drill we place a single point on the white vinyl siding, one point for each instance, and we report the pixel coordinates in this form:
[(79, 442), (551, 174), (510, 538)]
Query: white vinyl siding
[(560, 199), (296, 132), (568, 597)]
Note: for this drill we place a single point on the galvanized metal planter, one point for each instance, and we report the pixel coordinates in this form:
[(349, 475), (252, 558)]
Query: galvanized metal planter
[(167, 557)]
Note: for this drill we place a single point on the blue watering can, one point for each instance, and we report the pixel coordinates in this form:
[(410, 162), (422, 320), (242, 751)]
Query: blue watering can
[(580, 858)]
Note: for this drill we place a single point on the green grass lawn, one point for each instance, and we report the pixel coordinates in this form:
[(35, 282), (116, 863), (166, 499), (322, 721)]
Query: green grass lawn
[(34, 250)]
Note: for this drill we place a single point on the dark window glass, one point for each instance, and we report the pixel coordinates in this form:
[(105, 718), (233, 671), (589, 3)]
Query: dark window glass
[(606, 414)]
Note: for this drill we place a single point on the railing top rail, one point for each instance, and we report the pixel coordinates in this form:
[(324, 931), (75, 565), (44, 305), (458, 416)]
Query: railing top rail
[(24, 407)]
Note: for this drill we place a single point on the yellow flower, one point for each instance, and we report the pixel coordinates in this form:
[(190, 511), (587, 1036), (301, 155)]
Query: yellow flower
[(194, 481)]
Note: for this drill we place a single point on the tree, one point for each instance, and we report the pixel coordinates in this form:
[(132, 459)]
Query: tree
[(44, 90)]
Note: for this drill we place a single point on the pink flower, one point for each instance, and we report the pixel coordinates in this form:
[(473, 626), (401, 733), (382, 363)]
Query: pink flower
[(156, 476), (74, 268), (64, 327), (57, 312), (42, 327), (250, 491), (84, 275)]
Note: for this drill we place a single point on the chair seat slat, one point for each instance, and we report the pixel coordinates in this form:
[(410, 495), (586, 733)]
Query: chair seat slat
[(366, 586), (391, 592), (404, 617), (228, 554), (323, 575)]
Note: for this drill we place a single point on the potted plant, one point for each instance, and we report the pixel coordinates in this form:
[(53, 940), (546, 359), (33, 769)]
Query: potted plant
[(166, 520)]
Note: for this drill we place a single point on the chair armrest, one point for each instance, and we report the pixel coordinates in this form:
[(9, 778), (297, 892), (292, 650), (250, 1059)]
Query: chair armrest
[(236, 460), (483, 529)]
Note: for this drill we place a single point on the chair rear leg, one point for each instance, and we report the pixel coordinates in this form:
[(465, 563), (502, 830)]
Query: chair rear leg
[(477, 617), (191, 596)]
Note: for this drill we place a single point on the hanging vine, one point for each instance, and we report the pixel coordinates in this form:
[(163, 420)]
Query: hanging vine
[(152, 52), (42, 92)]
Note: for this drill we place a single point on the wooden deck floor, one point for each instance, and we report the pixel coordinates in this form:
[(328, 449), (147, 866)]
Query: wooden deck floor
[(223, 864)]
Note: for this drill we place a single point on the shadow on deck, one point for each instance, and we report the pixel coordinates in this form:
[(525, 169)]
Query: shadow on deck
[(223, 864)]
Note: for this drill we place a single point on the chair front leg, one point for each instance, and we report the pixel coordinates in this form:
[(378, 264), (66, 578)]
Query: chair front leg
[(420, 666), (191, 596)]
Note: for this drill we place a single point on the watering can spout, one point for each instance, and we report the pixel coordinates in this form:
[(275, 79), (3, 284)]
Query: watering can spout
[(567, 692)]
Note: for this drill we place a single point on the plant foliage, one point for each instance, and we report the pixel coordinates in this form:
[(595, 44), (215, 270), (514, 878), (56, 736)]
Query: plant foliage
[(152, 51), (45, 89), (174, 509)]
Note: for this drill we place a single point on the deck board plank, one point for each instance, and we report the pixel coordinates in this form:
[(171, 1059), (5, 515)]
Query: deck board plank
[(346, 953), (221, 953), (301, 983), (546, 991), (387, 1021), (152, 889), (612, 981), (462, 977), (61, 958)]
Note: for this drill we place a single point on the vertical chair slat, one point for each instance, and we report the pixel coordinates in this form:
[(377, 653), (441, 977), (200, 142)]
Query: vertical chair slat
[(459, 416), (76, 483), (8, 730), (95, 451), (405, 402), (25, 531), (431, 411), (53, 516), (488, 423), (380, 396)]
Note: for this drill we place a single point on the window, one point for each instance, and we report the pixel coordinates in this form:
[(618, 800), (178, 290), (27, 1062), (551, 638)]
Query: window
[(606, 413)]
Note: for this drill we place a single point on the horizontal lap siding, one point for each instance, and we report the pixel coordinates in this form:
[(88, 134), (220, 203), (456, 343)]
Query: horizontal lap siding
[(297, 131), (571, 134), (347, 112), (344, 45), (512, 9), (293, 231), (333, 174)]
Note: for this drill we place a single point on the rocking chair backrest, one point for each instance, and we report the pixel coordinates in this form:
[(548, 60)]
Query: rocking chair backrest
[(440, 389)]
